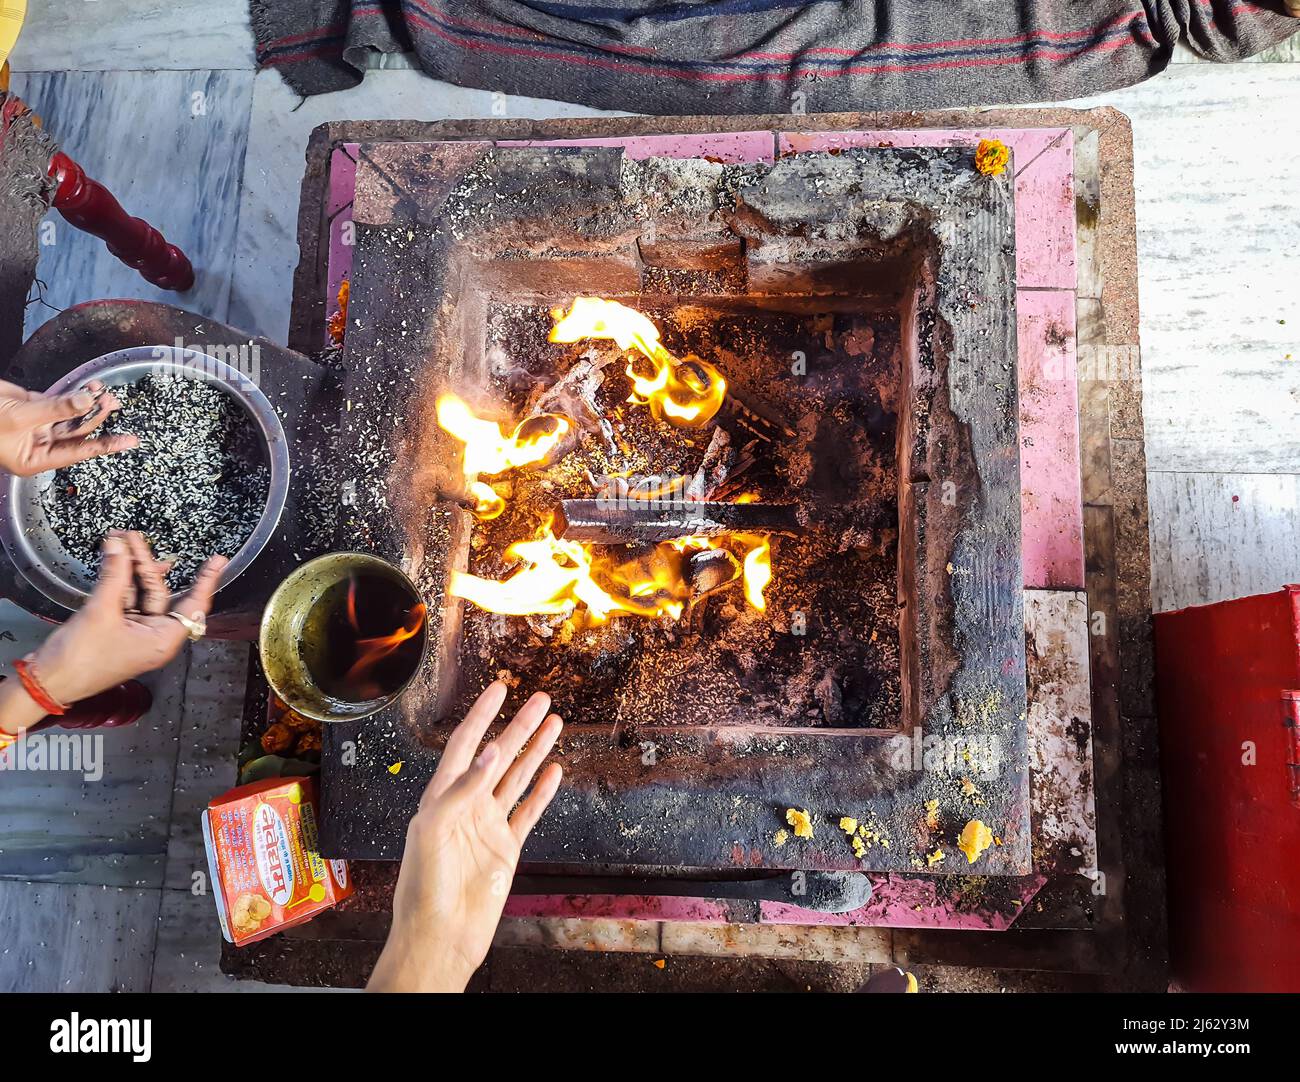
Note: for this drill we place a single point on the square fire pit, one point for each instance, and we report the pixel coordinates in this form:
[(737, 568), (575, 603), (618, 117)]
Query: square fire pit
[(860, 306)]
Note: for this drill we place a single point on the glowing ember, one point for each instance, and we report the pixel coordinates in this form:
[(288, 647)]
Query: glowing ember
[(683, 391), (488, 503)]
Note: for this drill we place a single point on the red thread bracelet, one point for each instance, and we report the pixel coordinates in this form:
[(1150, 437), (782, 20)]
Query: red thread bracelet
[(25, 668)]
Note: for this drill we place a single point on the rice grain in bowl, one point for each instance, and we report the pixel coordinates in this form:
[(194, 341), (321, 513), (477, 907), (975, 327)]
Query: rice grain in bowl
[(210, 475)]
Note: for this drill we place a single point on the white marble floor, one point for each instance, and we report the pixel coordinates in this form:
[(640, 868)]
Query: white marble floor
[(161, 100)]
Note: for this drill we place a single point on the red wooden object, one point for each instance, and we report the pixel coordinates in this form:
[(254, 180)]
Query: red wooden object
[(88, 205), (122, 704), (1228, 687)]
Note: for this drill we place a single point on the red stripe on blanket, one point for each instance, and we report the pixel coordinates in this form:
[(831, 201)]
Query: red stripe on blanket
[(310, 35), (359, 11), (307, 54), (957, 43), (1035, 53)]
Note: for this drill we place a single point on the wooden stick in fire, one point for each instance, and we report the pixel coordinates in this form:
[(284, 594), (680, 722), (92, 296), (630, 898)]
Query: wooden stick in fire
[(624, 522)]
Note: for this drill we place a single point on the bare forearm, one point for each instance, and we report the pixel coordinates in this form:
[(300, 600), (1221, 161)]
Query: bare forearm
[(463, 845), (18, 711), (410, 965)]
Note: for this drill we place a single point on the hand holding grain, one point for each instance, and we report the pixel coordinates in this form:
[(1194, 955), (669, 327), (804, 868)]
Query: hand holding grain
[(123, 629), (40, 432), (463, 845)]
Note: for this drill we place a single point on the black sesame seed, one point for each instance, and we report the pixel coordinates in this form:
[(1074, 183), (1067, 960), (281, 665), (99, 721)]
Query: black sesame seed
[(196, 485)]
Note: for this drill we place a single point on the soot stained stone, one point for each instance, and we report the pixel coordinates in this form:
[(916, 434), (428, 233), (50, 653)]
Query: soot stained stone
[(862, 303)]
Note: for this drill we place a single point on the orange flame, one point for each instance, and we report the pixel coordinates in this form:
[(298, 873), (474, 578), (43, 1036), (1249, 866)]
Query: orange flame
[(338, 322), (755, 568), (371, 651), (488, 450), (488, 503), (558, 576), (756, 571), (683, 391)]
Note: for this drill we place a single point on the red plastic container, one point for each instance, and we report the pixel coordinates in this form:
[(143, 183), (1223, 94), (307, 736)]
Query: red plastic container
[(1228, 690)]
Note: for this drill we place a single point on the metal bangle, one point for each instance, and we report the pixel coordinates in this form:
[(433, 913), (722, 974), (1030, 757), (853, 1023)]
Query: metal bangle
[(195, 628)]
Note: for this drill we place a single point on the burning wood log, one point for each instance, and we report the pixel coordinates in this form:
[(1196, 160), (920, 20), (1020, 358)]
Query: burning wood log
[(619, 522), (574, 395)]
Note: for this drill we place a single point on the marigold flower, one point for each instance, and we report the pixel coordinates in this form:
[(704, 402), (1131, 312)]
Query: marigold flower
[(992, 157), (339, 320)]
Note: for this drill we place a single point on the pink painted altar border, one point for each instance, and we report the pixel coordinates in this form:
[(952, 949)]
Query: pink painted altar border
[(1051, 500), (898, 901)]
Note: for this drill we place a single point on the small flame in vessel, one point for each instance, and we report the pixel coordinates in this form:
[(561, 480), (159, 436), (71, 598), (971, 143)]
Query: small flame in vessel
[(371, 651)]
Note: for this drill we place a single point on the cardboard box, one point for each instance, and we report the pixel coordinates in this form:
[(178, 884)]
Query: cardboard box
[(264, 859)]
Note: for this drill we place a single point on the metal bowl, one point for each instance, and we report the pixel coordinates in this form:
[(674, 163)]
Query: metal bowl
[(295, 628), (25, 531)]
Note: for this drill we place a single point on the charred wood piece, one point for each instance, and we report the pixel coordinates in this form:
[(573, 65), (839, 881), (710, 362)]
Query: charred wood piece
[(710, 570), (755, 419), (619, 522), (714, 469), (574, 394)]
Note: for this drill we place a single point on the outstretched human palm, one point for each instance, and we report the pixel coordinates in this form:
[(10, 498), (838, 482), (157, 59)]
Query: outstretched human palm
[(463, 844)]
